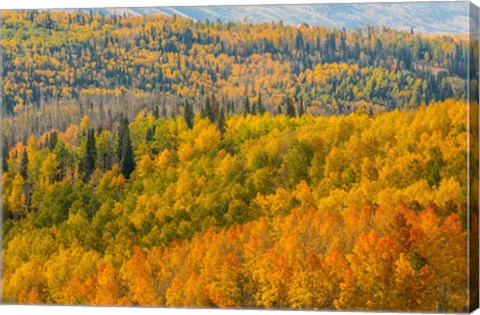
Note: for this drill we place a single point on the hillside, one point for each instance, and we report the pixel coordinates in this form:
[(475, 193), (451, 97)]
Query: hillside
[(433, 17), (156, 160), (59, 66), (271, 212)]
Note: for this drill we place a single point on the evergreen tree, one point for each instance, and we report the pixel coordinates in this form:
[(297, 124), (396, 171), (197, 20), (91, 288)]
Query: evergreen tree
[(4, 156), (87, 164), (125, 151), (290, 108), (260, 106), (156, 112), (150, 134), (299, 43), (188, 114), (209, 112), (231, 107), (24, 165), (203, 114), (64, 158), (120, 136), (301, 109), (52, 142), (214, 108), (247, 106), (279, 110), (434, 167), (221, 121)]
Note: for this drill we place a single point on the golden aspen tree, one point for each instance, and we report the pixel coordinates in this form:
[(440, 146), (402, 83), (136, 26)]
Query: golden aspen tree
[(136, 272), (106, 288), (17, 201)]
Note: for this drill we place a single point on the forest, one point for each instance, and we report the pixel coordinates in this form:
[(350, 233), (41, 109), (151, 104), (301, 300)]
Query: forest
[(160, 161), (58, 67), (275, 212)]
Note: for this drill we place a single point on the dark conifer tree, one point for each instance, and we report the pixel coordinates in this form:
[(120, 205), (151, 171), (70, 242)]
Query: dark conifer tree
[(279, 110), (221, 121), (52, 141), (156, 112), (87, 164), (188, 114), (247, 109), (120, 136), (214, 108), (260, 106), (4, 156), (125, 151), (209, 110), (24, 165), (150, 134), (301, 109), (290, 108)]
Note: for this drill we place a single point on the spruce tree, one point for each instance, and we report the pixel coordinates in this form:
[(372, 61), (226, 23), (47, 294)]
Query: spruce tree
[(92, 151), (260, 106), (279, 110), (301, 109), (24, 165), (188, 114), (231, 107), (53, 141), (156, 112), (87, 164), (211, 108), (221, 121), (290, 108), (208, 110), (150, 134), (125, 151), (5, 156), (120, 136), (247, 106)]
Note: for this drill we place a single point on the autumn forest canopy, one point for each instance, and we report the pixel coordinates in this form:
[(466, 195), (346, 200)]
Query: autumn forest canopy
[(156, 160), (58, 67)]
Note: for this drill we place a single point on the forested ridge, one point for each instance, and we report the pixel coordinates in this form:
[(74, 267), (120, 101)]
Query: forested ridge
[(161, 161), (59, 66)]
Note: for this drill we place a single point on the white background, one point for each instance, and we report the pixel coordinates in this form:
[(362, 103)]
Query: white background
[(53, 310)]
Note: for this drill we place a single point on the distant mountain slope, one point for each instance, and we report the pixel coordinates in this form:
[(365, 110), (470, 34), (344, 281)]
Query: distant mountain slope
[(429, 17)]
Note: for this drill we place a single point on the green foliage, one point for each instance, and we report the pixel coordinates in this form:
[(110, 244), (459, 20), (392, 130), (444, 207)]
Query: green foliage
[(24, 165), (246, 106), (260, 106), (4, 155), (87, 164), (299, 205), (329, 71), (434, 166), (267, 210), (188, 114), (291, 112), (54, 203), (125, 150), (298, 161)]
